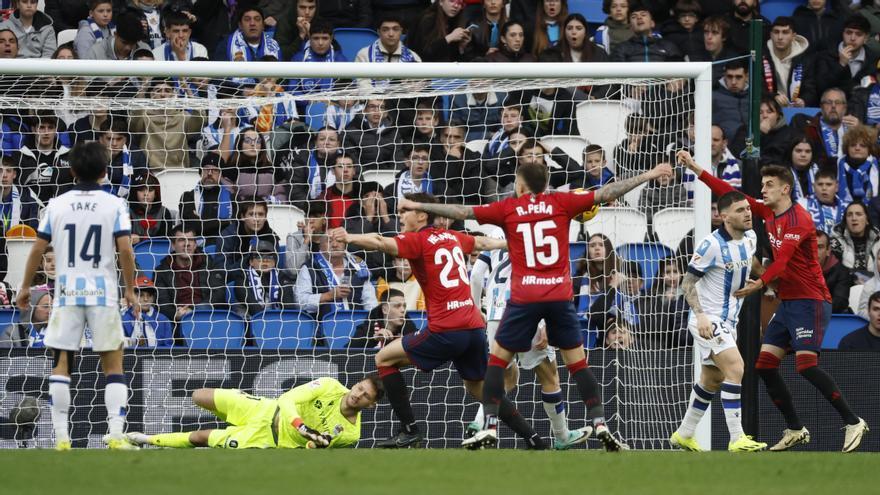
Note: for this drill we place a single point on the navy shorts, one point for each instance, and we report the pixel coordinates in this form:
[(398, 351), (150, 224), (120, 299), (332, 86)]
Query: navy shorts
[(520, 323), (799, 324), (465, 348)]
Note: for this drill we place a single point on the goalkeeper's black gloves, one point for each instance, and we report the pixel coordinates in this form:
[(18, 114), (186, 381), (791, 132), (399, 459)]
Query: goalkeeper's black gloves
[(321, 441)]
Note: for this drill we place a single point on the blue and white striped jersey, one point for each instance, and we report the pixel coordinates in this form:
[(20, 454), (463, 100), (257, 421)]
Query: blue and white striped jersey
[(723, 265), (82, 226), (496, 269)]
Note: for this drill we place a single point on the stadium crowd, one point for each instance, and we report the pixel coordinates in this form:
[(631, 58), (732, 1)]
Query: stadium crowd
[(820, 61)]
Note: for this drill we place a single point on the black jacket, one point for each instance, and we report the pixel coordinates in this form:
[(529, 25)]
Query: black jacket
[(437, 49), (208, 224), (207, 279), (246, 301), (376, 148), (807, 90), (689, 42), (822, 31), (838, 279), (66, 14), (457, 180), (345, 13), (738, 36), (646, 49), (830, 74)]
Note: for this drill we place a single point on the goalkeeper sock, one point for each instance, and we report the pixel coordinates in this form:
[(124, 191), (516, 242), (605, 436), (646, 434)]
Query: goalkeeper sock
[(700, 400), (172, 440), (115, 398), (398, 397), (508, 413), (493, 390), (730, 399), (588, 387), (480, 417), (554, 406), (767, 367), (807, 366), (59, 400)]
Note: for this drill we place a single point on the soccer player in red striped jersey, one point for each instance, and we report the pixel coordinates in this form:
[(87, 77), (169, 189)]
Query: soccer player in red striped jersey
[(456, 330), (536, 225), (801, 318)]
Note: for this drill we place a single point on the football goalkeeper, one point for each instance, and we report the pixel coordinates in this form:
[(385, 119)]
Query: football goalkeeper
[(320, 414)]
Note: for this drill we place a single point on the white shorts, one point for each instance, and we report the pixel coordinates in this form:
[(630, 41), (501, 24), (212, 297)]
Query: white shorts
[(725, 338), (68, 323), (526, 360)]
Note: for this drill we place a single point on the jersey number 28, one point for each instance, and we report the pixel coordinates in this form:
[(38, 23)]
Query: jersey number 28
[(449, 260), (535, 239)]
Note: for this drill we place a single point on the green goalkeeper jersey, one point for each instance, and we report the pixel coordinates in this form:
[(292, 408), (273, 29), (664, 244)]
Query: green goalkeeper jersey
[(317, 403)]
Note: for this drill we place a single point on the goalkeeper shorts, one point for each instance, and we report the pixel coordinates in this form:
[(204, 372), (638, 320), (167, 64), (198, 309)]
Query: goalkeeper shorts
[(250, 418)]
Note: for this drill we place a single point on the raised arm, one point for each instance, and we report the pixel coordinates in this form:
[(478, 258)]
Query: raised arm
[(483, 243), (370, 242), (718, 186), (456, 212), (616, 189)]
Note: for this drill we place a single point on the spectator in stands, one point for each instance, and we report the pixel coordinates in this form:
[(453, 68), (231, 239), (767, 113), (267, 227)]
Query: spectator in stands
[(31, 329), (151, 17), (871, 286), (121, 45), (776, 135), (793, 82), (210, 206), (334, 280), (499, 172), (455, 170), (341, 113), (596, 172), (371, 214), (228, 122), (724, 164), (17, 206), (551, 110), (413, 178), (408, 11), (292, 29), (150, 328), (866, 338), (68, 86), (845, 65), (479, 112), (864, 104), (166, 130), (250, 41), (238, 237), (149, 218), (618, 336), (373, 136), (386, 322), (344, 192), (320, 48), (401, 278), (595, 280), (65, 14), (98, 25), (854, 241), (824, 205), (640, 150), (858, 169), (571, 174), (512, 45), (730, 102), (36, 36), (645, 45), (821, 23), (261, 285), (662, 193), (838, 278), (301, 243), (803, 167), (546, 30), (125, 163), (44, 169), (664, 313), (870, 10), (744, 11), (249, 169), (309, 168), (574, 46), (685, 30), (45, 275), (511, 121), (715, 32), (424, 127), (826, 129), (186, 278), (8, 44), (616, 28), (440, 34), (266, 118), (388, 48), (178, 32), (489, 22)]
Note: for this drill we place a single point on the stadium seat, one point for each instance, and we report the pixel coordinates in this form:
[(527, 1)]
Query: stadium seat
[(212, 329), (66, 36), (590, 9), (771, 9), (839, 327), (576, 252), (790, 112), (284, 219), (174, 182), (276, 329), (8, 317), (353, 39), (671, 225), (621, 225), (384, 177), (855, 294), (339, 326), (419, 319), (596, 121), (314, 116), (477, 145), (17, 251), (573, 146), (647, 255), (148, 254)]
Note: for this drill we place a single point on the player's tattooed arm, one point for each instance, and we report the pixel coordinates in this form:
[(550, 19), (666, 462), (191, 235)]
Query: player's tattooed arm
[(483, 243), (456, 212), (370, 242), (614, 190), (689, 287)]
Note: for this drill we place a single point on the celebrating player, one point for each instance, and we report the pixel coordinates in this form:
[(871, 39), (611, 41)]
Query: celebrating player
[(87, 228), (718, 269), (805, 310), (319, 414), (536, 225), (494, 266), (455, 327)]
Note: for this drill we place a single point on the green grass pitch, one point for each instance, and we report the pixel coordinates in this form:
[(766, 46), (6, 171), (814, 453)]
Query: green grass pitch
[(428, 472)]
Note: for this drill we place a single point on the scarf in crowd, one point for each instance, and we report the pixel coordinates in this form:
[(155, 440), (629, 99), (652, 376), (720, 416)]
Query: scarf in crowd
[(830, 138), (799, 192), (170, 55), (260, 293), (10, 212), (36, 336), (317, 83), (332, 280), (873, 112), (145, 327), (375, 54), (553, 32), (96, 29), (858, 183), (406, 185), (238, 49), (315, 186), (498, 143), (124, 186), (224, 202), (825, 217)]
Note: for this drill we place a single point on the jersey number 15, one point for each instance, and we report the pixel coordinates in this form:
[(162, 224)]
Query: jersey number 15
[(534, 238)]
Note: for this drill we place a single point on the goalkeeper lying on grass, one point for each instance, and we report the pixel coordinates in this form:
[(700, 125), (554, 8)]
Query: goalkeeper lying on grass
[(320, 414)]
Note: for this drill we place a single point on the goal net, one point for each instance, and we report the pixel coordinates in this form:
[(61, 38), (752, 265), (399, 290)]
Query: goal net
[(234, 173)]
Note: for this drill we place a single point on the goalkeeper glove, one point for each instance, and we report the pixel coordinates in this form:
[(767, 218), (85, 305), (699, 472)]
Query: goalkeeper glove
[(320, 440)]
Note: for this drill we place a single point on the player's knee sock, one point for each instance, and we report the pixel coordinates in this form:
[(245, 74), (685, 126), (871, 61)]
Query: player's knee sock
[(699, 402), (554, 406), (767, 367), (511, 417), (398, 397), (588, 387), (493, 390), (478, 419), (59, 399), (730, 399), (808, 366), (115, 398), (172, 440)]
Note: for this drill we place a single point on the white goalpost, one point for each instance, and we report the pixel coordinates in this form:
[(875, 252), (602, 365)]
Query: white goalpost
[(240, 333)]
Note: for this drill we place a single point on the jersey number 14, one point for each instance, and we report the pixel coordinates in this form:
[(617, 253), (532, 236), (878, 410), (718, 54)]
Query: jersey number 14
[(91, 245)]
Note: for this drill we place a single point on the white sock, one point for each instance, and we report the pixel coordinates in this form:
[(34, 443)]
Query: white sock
[(115, 398), (554, 406), (479, 418), (59, 399), (730, 399), (699, 402)]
